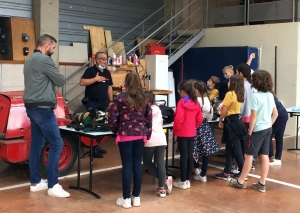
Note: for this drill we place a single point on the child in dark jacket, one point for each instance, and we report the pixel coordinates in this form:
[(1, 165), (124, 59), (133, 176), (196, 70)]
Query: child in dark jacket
[(188, 117), (278, 129), (130, 118)]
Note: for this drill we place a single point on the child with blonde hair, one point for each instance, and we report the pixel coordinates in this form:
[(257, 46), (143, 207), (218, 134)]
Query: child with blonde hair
[(227, 72)]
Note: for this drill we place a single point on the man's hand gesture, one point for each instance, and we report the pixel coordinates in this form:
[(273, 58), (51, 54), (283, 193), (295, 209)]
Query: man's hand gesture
[(99, 78)]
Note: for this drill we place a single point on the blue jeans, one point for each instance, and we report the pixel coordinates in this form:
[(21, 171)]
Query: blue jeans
[(131, 155), (44, 125)]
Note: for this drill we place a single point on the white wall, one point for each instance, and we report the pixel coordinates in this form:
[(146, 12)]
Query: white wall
[(284, 36), (11, 77)]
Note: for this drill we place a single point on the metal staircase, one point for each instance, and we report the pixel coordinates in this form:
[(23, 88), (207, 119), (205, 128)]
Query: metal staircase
[(180, 27)]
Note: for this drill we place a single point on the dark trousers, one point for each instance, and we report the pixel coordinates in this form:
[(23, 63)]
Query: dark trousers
[(156, 168), (234, 133), (96, 105), (204, 166), (278, 129), (131, 155), (185, 146), (234, 150)]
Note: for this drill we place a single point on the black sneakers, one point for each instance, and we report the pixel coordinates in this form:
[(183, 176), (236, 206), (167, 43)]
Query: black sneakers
[(98, 152)]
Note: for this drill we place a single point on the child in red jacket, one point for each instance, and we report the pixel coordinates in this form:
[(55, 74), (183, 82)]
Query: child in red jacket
[(188, 117)]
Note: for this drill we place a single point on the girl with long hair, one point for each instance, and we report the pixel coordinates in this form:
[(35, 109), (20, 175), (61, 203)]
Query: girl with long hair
[(205, 143), (130, 118), (155, 147), (188, 117), (234, 128)]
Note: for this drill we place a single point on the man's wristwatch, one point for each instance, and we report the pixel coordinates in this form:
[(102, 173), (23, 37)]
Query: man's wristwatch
[(111, 101)]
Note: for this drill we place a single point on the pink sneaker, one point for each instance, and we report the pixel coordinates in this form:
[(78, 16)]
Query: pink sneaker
[(169, 184)]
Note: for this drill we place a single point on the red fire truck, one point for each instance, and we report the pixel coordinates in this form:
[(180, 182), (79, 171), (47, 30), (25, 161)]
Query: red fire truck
[(15, 134)]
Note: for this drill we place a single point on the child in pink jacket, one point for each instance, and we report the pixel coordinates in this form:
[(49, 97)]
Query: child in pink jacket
[(156, 146), (188, 117)]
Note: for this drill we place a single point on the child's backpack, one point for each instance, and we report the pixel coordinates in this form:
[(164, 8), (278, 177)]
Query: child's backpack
[(166, 111)]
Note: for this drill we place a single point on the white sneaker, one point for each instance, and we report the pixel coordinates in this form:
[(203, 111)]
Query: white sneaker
[(188, 184), (169, 186), (235, 169), (275, 162), (125, 203), (197, 171), (42, 185), (57, 191), (179, 184), (202, 179), (136, 201)]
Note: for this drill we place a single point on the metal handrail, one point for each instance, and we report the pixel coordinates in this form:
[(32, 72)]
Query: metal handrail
[(76, 71), (144, 32), (187, 39), (76, 85), (157, 30), (111, 45), (76, 97), (178, 26)]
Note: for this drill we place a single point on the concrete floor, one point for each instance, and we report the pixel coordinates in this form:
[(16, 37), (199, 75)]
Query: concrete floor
[(283, 189)]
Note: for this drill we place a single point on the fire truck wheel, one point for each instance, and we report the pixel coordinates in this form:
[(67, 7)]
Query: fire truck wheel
[(67, 158)]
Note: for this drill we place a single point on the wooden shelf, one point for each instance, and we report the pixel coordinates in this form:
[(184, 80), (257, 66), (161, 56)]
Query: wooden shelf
[(11, 62)]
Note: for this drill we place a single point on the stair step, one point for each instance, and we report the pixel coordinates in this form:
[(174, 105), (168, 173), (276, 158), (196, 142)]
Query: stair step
[(180, 40), (188, 32)]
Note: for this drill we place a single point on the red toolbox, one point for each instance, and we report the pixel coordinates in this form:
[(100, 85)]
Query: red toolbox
[(155, 49)]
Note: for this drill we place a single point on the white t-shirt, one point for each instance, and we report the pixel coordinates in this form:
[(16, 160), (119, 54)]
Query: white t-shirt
[(248, 91), (263, 103), (206, 109)]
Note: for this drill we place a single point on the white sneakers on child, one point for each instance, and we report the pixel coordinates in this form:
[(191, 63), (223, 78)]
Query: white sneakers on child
[(126, 203), (275, 162), (235, 169), (58, 191), (188, 184), (199, 177), (42, 185), (197, 171), (136, 201), (182, 185)]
